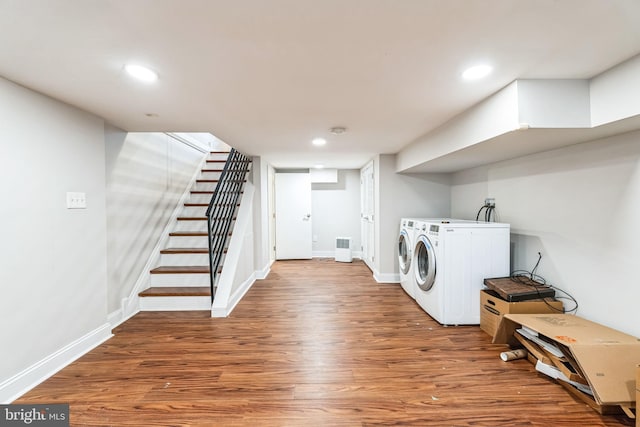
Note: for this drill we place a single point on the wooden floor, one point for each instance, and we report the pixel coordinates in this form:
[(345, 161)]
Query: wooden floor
[(318, 343)]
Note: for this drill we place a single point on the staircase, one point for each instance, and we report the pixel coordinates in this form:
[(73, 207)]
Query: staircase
[(182, 280)]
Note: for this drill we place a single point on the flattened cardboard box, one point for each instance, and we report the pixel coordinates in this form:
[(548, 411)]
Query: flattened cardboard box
[(637, 396), (608, 358)]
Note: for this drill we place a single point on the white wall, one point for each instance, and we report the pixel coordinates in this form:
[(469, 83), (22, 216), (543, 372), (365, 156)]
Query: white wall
[(336, 213), (579, 206), (146, 174), (554, 103), (399, 196), (261, 223), (239, 272), (53, 272), (615, 94)]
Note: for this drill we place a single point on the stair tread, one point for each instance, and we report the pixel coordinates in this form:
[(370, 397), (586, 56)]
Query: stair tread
[(185, 251), (177, 291), (188, 233), (220, 170), (199, 205), (207, 180), (192, 218), (211, 192), (181, 269)]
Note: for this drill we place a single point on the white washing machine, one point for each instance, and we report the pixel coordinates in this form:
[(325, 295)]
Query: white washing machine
[(406, 243), (451, 260)]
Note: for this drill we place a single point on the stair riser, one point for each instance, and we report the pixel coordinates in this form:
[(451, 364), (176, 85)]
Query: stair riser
[(210, 175), (168, 280), (218, 156), (187, 242), (175, 303), (215, 161), (184, 259), (204, 186), (193, 211), (191, 226), (200, 198)]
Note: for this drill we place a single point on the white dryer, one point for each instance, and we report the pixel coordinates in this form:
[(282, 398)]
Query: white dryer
[(406, 243), (451, 260)]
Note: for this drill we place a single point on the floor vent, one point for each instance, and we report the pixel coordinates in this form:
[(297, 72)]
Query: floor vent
[(343, 249)]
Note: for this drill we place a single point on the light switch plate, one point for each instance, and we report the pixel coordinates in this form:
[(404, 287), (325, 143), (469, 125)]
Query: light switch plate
[(76, 200)]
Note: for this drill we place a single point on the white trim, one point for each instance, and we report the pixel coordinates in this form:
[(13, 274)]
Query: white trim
[(332, 254), (322, 254), (24, 381), (131, 304), (264, 272), (386, 277), (189, 142), (116, 318), (235, 298)]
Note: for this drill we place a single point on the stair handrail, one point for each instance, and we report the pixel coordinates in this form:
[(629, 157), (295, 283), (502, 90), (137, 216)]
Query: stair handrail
[(222, 208)]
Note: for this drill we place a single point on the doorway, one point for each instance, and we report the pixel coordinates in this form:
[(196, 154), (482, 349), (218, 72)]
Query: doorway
[(293, 215)]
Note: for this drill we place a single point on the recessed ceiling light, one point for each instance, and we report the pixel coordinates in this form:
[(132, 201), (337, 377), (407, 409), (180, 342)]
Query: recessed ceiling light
[(319, 166), (141, 73), (319, 141), (338, 130), (477, 72)]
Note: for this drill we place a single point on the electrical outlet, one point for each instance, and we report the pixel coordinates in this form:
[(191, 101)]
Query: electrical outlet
[(490, 202), (76, 200)]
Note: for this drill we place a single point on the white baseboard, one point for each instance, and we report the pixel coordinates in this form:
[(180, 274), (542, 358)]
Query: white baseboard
[(264, 272), (235, 298), (322, 254), (386, 277), (332, 254), (24, 381), (123, 314)]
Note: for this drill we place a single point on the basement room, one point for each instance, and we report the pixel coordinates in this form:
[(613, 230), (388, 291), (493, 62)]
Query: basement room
[(320, 213)]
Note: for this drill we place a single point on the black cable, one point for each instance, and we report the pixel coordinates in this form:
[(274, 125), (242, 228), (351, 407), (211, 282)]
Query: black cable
[(535, 267), (478, 215), (530, 278)]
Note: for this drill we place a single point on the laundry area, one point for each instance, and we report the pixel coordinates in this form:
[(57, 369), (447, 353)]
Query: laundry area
[(458, 272)]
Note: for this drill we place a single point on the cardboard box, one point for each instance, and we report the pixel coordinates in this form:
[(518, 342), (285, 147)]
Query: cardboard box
[(606, 358), (492, 308), (637, 396)]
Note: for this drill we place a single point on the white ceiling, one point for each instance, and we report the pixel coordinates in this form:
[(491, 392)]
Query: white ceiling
[(267, 76)]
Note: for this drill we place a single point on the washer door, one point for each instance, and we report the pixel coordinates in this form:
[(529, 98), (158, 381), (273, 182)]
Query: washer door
[(404, 252), (425, 258)]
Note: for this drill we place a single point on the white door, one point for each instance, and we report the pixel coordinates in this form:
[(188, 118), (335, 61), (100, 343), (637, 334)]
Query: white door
[(367, 208), (293, 216)]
